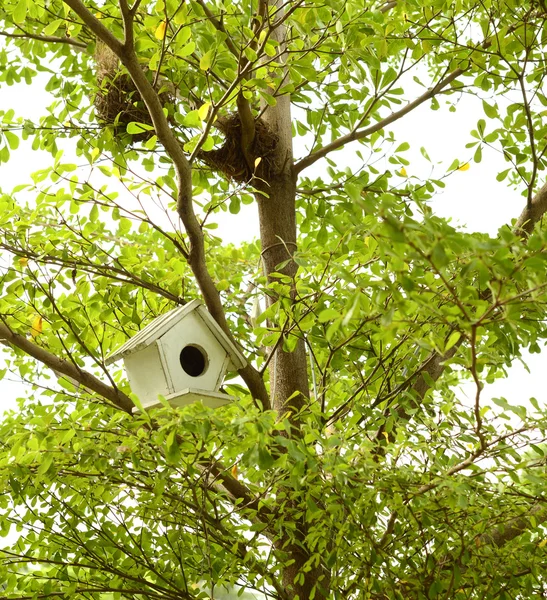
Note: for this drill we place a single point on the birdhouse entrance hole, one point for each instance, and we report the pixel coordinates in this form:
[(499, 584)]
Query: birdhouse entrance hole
[(193, 360)]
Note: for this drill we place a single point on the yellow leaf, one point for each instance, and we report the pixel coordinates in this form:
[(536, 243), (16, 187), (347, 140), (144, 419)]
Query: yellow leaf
[(160, 31), (234, 471), (464, 167), (403, 172), (203, 110), (98, 15), (542, 543), (386, 435), (258, 160), (23, 261), (37, 325)]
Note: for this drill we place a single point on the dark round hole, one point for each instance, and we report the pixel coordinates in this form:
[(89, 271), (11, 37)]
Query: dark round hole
[(193, 360)]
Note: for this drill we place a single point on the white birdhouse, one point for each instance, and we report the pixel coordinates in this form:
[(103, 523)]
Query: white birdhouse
[(182, 355)]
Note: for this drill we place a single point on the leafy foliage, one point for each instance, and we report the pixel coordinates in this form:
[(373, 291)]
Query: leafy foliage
[(379, 481)]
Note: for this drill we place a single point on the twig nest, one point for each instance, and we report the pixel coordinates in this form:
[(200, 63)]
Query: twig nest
[(117, 102), (230, 158)]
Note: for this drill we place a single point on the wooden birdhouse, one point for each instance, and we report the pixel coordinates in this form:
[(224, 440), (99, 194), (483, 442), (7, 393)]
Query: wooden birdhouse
[(183, 355)]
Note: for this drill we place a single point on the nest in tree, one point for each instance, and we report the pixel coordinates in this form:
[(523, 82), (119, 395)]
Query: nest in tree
[(230, 158), (117, 102)]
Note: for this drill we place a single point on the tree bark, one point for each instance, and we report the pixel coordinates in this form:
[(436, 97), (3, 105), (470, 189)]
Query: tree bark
[(277, 214), (288, 370)]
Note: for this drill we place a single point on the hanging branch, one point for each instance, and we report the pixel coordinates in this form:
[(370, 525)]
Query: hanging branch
[(113, 395)]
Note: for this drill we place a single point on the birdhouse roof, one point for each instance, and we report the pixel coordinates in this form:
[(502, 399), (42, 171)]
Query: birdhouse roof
[(162, 324)]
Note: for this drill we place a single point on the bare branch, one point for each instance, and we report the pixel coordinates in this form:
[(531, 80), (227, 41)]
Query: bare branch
[(48, 39), (243, 106), (359, 134), (65, 367), (127, 18), (531, 137), (240, 491)]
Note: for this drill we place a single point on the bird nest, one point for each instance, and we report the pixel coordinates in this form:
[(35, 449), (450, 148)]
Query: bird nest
[(230, 158), (117, 101)]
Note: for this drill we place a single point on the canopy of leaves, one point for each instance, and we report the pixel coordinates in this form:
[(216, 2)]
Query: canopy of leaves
[(386, 484)]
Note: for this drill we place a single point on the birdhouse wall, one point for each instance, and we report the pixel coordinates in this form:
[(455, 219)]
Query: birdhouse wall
[(146, 375), (193, 356)]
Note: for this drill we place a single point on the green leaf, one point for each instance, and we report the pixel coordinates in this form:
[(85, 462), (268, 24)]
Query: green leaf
[(94, 214), (137, 128), (187, 50), (235, 205), (439, 256), (453, 339), (20, 12), (12, 139), (265, 459), (206, 60), (173, 453), (489, 110), (328, 314), (47, 461)]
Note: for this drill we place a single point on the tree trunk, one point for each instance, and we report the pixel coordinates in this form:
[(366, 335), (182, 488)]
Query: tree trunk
[(277, 213), (288, 370)]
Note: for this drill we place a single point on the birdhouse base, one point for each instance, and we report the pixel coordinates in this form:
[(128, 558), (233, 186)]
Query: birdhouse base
[(190, 395)]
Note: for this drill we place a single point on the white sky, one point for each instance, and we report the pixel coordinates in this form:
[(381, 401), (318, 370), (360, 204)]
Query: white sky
[(473, 198)]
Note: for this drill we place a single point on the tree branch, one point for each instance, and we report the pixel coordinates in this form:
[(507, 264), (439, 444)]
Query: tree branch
[(65, 367), (243, 106), (512, 528), (533, 213), (116, 397), (247, 128), (95, 25), (388, 6), (239, 491), (48, 39), (196, 257), (219, 27), (107, 270), (359, 134)]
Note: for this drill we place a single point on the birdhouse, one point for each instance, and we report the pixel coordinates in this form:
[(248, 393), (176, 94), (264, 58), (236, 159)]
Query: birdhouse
[(183, 355)]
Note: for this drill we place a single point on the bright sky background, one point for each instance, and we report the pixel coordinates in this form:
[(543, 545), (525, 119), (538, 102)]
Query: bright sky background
[(473, 199)]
